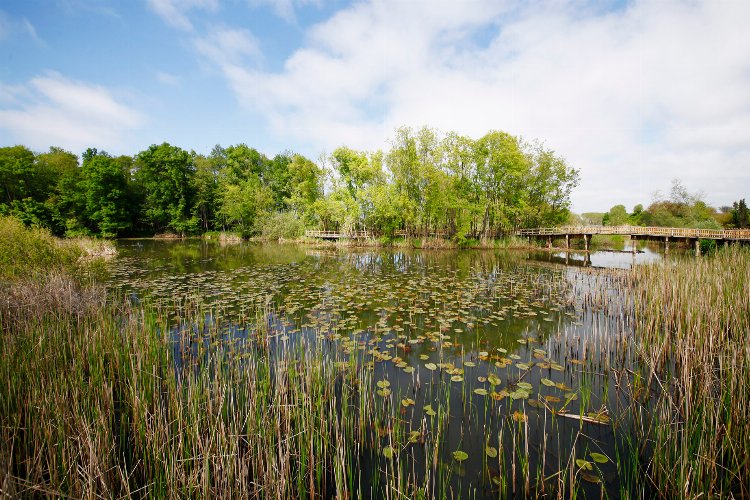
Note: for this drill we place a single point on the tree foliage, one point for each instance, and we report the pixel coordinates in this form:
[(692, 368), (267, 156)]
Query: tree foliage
[(427, 182)]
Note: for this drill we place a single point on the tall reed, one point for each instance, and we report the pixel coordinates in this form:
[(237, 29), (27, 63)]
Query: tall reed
[(693, 327)]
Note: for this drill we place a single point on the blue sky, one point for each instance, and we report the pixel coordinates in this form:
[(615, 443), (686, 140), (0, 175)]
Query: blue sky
[(633, 94)]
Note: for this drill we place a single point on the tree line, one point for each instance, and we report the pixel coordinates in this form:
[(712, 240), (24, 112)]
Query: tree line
[(680, 208), (427, 182)]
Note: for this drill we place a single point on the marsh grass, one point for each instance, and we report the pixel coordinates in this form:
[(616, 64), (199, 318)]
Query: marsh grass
[(693, 326)]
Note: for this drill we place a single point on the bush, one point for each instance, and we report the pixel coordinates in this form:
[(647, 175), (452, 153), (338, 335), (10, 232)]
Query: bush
[(281, 225), (27, 253)]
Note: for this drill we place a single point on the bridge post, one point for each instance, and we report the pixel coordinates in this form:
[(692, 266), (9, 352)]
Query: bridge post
[(697, 247), (549, 242), (666, 244), (586, 239), (567, 241)]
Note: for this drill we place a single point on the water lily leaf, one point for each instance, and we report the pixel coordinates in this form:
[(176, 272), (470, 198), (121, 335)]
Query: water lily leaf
[(429, 411), (387, 452), (547, 382), (480, 391), (490, 451), (493, 380), (482, 379), (406, 402), (469, 363), (599, 458), (524, 385), (383, 392), (460, 456), (535, 404), (520, 416), (522, 366), (590, 478), (424, 357), (457, 378), (414, 436), (409, 369), (383, 384), (431, 366), (584, 464)]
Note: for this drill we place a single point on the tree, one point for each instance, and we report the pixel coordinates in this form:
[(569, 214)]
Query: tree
[(166, 175), (617, 216), (105, 194), (740, 215)]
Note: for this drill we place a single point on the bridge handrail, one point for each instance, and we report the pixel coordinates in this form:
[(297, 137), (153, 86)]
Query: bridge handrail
[(678, 232)]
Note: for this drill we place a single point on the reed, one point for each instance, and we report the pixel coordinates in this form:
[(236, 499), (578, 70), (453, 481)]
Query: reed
[(693, 326)]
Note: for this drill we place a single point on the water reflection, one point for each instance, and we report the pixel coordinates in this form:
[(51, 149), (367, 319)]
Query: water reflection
[(492, 340)]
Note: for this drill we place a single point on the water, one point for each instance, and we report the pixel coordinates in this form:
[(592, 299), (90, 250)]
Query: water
[(494, 340)]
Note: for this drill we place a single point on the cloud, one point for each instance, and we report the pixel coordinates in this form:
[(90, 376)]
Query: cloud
[(168, 78), (174, 12), (10, 27), (53, 110), (227, 47), (285, 9), (632, 97)]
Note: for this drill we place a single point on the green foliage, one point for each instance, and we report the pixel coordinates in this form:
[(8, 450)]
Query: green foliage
[(740, 215), (617, 216), (26, 253), (280, 225), (428, 184), (166, 174)]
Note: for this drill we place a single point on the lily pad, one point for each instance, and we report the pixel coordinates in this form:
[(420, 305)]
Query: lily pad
[(584, 464), (387, 452), (547, 382), (480, 391), (490, 451), (431, 366), (590, 478), (599, 458), (460, 456)]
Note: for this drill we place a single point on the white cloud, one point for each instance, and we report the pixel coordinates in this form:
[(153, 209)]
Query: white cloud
[(284, 8), (10, 27), (632, 97), (53, 110), (168, 78), (175, 12), (229, 47)]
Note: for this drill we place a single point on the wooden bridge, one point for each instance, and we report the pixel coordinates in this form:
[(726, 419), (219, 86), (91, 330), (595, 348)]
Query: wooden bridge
[(665, 234)]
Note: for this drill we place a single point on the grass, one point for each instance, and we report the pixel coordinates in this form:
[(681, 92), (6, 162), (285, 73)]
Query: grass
[(693, 323), (102, 398)]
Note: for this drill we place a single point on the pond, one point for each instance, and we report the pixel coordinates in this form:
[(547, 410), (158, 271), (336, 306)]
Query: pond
[(492, 373)]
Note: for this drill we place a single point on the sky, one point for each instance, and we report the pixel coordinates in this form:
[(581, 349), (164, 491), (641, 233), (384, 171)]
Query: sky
[(633, 94)]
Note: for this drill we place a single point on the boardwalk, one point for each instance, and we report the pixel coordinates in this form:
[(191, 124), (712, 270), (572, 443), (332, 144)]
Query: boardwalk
[(665, 234)]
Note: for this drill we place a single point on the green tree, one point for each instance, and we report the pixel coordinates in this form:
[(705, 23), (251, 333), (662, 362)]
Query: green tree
[(617, 216), (166, 175), (740, 215), (104, 187)]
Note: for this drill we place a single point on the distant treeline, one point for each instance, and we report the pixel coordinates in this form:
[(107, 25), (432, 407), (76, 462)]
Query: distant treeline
[(679, 209), (427, 182)]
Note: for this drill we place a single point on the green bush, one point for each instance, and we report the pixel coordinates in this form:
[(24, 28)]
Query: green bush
[(27, 253), (280, 225)]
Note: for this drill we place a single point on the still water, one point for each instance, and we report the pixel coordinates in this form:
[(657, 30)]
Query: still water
[(519, 352)]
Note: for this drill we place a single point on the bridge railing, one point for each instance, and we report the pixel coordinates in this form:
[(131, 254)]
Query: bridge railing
[(677, 232)]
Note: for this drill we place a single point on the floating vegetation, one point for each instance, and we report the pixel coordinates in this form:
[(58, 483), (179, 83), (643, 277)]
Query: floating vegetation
[(480, 374)]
